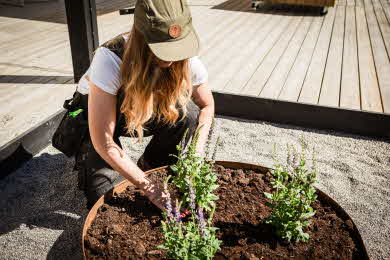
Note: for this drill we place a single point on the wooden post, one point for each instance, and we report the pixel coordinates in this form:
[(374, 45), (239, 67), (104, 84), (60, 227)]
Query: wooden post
[(83, 33)]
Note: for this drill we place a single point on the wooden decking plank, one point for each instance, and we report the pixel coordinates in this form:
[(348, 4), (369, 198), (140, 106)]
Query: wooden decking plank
[(260, 77), (359, 3), (48, 31), (330, 89), (53, 44), (202, 16), (229, 24), (15, 91), (278, 77), (40, 93), (341, 2), (296, 76), (35, 48), (207, 2), (386, 8), (212, 36), (13, 82), (351, 3), (37, 89), (382, 63), (350, 89), (252, 46), (383, 22), (219, 18), (273, 46), (20, 34), (36, 12), (54, 11), (54, 63), (369, 87), (34, 111), (18, 91), (31, 49), (226, 46), (244, 74), (236, 52), (206, 15), (312, 84)]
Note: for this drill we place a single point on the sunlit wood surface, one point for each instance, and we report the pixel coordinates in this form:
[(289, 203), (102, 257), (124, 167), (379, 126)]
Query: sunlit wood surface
[(278, 52)]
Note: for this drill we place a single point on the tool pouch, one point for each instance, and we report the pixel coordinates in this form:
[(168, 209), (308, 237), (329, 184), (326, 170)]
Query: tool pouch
[(73, 128)]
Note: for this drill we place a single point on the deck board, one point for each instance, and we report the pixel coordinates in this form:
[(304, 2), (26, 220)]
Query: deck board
[(242, 76), (260, 77), (229, 60), (382, 63), (330, 89), (350, 85), (225, 25), (293, 84), (312, 85), (279, 75), (369, 86), (379, 35), (383, 23)]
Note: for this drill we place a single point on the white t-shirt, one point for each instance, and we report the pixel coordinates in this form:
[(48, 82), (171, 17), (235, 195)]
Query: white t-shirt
[(104, 72)]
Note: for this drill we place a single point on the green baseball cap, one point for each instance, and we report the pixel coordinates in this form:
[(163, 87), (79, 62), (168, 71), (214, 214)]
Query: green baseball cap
[(167, 28)]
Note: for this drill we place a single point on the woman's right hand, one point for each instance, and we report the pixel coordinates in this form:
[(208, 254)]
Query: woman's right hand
[(155, 193)]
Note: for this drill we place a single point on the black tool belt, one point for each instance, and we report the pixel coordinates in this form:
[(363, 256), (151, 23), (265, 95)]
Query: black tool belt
[(74, 125)]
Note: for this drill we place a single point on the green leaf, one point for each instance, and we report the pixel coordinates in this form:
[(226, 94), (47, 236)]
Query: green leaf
[(308, 215), (268, 195)]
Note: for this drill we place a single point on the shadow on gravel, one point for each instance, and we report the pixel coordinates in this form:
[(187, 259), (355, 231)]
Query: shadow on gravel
[(40, 200)]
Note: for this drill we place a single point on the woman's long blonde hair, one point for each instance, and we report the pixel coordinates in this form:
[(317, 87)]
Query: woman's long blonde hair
[(151, 92)]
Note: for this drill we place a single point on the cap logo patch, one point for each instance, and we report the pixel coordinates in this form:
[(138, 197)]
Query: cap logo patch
[(174, 30)]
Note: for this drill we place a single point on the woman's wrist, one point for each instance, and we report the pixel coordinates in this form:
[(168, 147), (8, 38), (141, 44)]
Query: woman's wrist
[(144, 184)]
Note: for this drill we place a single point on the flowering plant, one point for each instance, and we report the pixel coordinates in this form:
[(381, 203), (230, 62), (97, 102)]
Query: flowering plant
[(193, 168), (192, 238), (294, 193)]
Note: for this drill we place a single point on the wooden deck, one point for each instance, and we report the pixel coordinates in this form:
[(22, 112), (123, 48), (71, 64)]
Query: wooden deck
[(278, 52), (338, 60)]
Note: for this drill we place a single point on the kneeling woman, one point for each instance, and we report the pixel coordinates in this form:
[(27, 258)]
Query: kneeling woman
[(143, 83)]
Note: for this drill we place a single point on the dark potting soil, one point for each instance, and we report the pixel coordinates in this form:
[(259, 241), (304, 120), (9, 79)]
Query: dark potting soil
[(128, 226)]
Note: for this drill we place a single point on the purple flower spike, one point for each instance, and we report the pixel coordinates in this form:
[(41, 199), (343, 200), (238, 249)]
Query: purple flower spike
[(192, 195), (177, 213), (168, 206), (201, 220)]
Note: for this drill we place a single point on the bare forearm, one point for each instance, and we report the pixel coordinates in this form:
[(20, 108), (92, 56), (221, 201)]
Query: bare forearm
[(121, 163), (102, 129), (206, 116)]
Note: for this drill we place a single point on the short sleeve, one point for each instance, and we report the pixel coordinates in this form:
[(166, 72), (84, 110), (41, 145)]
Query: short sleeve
[(104, 71), (199, 73)]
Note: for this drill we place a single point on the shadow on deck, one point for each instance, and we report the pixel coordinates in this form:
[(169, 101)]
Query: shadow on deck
[(265, 8), (54, 10)]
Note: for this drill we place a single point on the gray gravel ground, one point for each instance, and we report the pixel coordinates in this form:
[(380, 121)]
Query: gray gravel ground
[(42, 212)]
